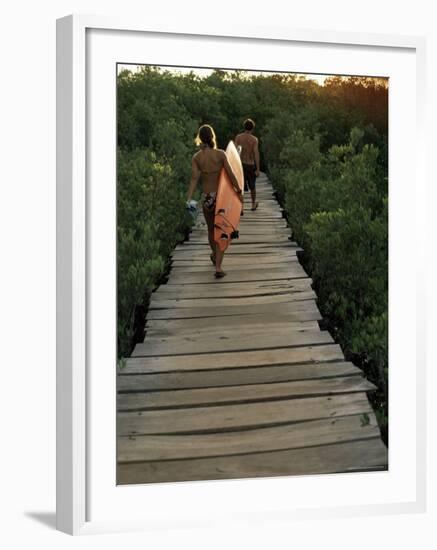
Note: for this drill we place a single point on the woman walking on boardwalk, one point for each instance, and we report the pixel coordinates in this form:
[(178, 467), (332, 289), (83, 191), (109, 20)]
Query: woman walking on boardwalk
[(206, 166)]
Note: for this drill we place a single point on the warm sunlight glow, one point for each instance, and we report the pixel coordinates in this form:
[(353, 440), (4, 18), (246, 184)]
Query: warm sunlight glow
[(203, 73)]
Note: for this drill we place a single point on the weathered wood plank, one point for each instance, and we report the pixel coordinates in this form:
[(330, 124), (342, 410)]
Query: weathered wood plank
[(290, 436), (237, 376), (210, 304), (349, 456), (254, 328), (242, 416), (207, 267), (233, 290), (274, 261), (214, 343), (267, 208), (269, 284), (239, 260), (237, 246), (266, 204), (293, 271), (289, 304), (249, 229), (255, 331), (249, 393), (286, 268), (247, 248), (201, 252), (267, 321), (260, 222), (284, 356), (245, 238)]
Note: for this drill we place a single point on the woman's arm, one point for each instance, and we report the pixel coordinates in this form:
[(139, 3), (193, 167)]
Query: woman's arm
[(195, 175)]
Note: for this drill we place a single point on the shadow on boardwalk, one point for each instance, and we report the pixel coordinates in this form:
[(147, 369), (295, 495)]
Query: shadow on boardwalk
[(235, 378)]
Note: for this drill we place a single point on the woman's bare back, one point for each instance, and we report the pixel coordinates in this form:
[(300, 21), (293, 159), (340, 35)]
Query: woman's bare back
[(207, 165)]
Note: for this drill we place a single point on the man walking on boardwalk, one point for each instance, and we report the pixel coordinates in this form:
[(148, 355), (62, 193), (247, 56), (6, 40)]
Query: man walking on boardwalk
[(249, 155)]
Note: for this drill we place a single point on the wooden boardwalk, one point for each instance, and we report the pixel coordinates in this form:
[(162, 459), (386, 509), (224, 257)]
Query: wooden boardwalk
[(235, 378)]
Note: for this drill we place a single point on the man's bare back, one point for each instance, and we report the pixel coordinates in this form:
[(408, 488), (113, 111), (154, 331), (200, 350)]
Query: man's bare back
[(249, 148)]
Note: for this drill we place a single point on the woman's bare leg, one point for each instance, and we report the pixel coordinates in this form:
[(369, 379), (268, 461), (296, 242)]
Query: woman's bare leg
[(211, 241), (209, 218), (217, 254), (218, 259)]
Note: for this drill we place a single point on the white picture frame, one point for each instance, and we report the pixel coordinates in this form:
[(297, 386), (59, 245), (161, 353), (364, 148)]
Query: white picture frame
[(75, 397)]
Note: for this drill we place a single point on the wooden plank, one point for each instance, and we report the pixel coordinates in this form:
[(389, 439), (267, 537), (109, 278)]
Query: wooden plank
[(233, 290), (266, 213), (256, 331), (251, 229), (266, 206), (215, 343), (268, 238), (293, 271), (238, 245), (253, 328), (269, 284), (242, 416), (246, 238), (246, 393), (240, 262), (248, 228), (261, 190), (269, 211), (284, 356), (202, 250), (239, 248), (253, 272), (236, 376), (212, 304), (207, 267), (266, 202), (198, 252), (260, 222), (263, 319), (235, 263), (281, 233), (264, 195), (237, 260), (352, 456), (289, 304), (278, 438)]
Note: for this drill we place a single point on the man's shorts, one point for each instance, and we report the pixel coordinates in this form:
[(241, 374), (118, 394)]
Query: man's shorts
[(249, 171)]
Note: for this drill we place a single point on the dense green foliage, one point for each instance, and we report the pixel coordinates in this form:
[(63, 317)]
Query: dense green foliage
[(150, 219), (325, 148), (335, 195)]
